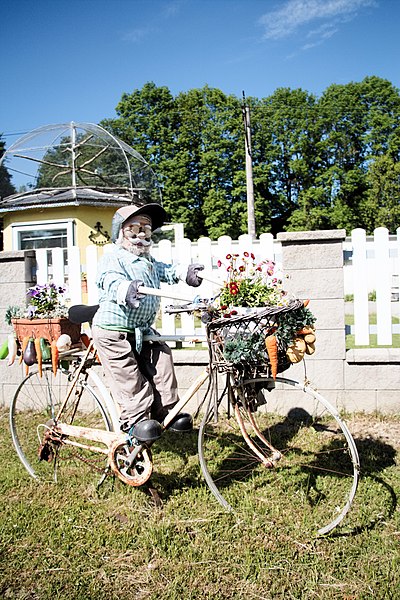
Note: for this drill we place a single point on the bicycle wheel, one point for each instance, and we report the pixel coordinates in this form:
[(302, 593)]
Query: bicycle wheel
[(34, 406), (302, 466)]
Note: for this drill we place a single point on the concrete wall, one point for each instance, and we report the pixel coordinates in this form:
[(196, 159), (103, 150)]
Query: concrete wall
[(359, 380), (17, 274)]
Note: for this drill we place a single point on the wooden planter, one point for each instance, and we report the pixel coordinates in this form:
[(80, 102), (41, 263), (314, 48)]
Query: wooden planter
[(50, 329)]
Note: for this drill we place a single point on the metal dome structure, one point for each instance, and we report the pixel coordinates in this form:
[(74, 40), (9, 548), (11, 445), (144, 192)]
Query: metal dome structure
[(77, 163)]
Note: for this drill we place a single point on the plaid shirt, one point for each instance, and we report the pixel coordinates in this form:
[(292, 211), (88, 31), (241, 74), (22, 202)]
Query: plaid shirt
[(119, 266)]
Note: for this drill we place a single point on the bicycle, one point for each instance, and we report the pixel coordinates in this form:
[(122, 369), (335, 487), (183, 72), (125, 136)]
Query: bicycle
[(258, 440)]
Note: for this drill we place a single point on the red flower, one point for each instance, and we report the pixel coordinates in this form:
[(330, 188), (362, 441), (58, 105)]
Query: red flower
[(252, 256), (219, 263), (246, 254), (241, 268), (228, 256)]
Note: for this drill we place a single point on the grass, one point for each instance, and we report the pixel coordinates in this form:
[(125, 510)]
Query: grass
[(350, 338), (70, 541)]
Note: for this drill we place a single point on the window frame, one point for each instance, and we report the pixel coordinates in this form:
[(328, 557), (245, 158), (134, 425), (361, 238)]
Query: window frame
[(18, 228)]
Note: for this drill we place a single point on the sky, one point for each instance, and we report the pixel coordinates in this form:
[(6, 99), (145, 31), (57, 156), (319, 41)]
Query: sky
[(72, 60)]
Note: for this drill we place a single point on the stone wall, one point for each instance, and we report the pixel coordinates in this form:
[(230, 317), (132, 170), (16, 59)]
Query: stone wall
[(359, 380), (17, 274)]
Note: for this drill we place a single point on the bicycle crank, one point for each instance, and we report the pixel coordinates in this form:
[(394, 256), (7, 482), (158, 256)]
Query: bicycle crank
[(133, 465)]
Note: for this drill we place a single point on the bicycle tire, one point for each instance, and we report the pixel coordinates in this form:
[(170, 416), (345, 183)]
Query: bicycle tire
[(317, 471), (35, 404)]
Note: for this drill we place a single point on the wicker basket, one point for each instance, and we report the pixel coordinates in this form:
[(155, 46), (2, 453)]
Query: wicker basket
[(50, 329), (256, 325)]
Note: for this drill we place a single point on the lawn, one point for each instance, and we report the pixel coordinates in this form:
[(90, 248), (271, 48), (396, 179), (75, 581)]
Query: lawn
[(350, 338), (70, 541)]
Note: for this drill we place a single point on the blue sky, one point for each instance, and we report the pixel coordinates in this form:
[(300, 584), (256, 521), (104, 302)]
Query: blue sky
[(72, 60)]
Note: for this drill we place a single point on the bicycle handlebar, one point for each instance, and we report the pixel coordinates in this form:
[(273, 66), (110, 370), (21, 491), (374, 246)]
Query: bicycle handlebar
[(142, 289)]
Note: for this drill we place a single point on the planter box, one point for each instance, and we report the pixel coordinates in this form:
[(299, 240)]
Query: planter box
[(50, 329)]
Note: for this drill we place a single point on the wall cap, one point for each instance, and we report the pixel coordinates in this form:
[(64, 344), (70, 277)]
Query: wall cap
[(324, 235), (373, 355), (11, 255), (190, 357)]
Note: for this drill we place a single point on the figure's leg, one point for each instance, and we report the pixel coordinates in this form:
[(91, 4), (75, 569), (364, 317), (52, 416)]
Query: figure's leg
[(156, 362), (130, 389)]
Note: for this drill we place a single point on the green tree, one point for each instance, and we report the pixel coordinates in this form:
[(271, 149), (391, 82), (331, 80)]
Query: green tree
[(6, 187)]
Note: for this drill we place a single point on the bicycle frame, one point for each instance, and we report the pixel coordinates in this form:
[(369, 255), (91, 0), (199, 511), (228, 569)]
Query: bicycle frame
[(110, 439)]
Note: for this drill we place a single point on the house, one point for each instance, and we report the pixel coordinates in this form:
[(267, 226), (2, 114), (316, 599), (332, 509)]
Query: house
[(75, 175)]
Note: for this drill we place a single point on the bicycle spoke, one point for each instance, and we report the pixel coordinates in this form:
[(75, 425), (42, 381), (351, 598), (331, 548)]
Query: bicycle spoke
[(317, 470), (34, 407)]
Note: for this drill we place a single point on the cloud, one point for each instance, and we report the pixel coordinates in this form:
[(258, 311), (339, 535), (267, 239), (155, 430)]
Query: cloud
[(139, 34), (296, 13), (169, 10)]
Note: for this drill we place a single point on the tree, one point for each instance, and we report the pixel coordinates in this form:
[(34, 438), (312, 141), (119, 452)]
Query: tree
[(6, 187)]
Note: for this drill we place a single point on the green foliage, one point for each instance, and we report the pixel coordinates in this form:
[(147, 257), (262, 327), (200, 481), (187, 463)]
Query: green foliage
[(6, 187), (249, 348), (318, 163), (292, 321), (12, 312)]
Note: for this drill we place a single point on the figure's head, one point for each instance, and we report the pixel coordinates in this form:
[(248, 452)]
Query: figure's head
[(132, 226)]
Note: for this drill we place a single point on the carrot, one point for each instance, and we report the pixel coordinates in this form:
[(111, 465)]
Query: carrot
[(271, 345), (306, 302), (39, 356), (23, 347), (85, 339), (54, 356)]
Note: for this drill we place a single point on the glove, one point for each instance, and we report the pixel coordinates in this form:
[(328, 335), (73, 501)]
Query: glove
[(132, 296), (192, 277)]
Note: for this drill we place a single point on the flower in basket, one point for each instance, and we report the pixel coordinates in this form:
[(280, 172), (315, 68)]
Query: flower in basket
[(250, 283), (283, 337), (46, 301)]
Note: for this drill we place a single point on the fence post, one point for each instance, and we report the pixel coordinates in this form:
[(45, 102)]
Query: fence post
[(313, 264), (383, 286), (360, 287)]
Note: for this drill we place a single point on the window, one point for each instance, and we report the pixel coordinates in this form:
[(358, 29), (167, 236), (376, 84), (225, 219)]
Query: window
[(43, 234)]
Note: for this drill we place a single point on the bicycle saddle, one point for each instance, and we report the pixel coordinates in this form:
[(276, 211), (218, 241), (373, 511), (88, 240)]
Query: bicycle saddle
[(81, 313)]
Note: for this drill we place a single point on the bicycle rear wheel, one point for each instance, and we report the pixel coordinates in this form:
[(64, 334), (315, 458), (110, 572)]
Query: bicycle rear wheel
[(33, 409), (300, 463)]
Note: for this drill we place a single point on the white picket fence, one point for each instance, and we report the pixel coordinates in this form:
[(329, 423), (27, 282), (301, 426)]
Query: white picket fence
[(65, 267), (371, 264), (374, 266)]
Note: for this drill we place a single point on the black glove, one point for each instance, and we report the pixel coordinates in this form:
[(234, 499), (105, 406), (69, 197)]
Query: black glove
[(192, 277), (132, 296)]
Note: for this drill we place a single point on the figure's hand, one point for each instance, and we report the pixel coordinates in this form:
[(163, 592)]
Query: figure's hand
[(192, 277), (132, 295)]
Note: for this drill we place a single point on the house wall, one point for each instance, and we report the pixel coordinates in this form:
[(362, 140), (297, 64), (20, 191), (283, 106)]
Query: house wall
[(85, 218)]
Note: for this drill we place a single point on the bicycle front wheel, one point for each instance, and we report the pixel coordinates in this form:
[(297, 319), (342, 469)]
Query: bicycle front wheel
[(34, 407), (283, 452)]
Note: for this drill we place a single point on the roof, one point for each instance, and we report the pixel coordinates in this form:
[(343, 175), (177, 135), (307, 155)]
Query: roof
[(58, 197)]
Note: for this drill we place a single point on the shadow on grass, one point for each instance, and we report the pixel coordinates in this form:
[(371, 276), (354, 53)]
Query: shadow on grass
[(375, 457), (176, 466)]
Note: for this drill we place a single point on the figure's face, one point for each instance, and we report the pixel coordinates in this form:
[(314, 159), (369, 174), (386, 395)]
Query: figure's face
[(136, 232)]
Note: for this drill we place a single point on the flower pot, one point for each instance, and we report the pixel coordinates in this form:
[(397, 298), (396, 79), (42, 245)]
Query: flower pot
[(50, 329)]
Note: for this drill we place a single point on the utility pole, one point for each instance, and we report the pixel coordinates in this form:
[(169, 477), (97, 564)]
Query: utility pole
[(251, 221)]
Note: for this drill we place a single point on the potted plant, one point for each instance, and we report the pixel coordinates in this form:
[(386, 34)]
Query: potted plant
[(46, 315)]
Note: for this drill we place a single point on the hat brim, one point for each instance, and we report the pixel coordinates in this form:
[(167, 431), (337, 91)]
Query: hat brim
[(155, 211)]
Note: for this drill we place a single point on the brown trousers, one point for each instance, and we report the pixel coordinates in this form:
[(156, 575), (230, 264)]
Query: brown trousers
[(144, 385)]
